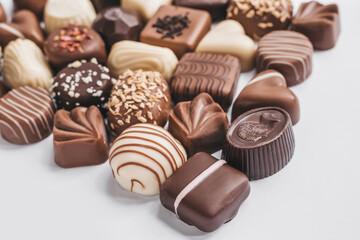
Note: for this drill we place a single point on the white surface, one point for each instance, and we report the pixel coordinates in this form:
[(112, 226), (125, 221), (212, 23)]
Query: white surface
[(317, 196)]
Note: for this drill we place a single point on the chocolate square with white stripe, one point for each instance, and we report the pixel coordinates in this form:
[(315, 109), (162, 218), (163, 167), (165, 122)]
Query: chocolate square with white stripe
[(205, 192)]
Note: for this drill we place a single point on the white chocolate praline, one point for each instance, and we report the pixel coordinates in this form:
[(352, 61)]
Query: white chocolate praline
[(133, 55), (146, 8), (144, 156), (228, 37), (25, 65), (58, 13)]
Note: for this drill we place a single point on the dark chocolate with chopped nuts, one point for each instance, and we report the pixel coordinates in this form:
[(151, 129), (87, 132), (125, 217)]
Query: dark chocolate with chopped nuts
[(72, 42), (259, 17), (84, 84), (138, 97)]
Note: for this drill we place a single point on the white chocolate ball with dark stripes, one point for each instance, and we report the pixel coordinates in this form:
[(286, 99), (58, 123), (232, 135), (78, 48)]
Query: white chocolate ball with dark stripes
[(144, 156), (82, 83), (26, 115), (138, 97)]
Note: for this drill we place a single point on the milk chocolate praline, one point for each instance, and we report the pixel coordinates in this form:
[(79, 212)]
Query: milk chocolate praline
[(260, 142), (73, 42), (138, 97), (216, 8)]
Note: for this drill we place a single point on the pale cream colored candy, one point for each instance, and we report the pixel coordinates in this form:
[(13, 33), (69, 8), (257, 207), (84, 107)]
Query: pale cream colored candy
[(228, 37), (58, 13), (135, 55), (144, 156), (25, 65), (146, 8)]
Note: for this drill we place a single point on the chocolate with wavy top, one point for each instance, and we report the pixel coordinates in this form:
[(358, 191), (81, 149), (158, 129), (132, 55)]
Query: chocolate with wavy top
[(200, 125), (215, 74), (80, 137)]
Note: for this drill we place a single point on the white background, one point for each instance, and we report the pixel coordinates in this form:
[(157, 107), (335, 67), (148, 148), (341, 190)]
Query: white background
[(317, 196)]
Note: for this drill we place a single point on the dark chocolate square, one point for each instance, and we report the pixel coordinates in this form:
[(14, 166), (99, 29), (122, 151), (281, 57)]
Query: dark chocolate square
[(205, 192)]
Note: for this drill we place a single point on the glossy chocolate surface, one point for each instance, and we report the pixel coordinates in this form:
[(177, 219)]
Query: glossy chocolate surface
[(102, 4), (138, 97), (200, 125), (288, 52), (205, 192), (2, 14), (320, 23), (267, 89), (36, 6), (261, 17), (26, 115), (260, 142), (177, 28), (216, 8), (82, 84), (116, 24), (215, 74), (24, 24), (73, 42), (80, 137)]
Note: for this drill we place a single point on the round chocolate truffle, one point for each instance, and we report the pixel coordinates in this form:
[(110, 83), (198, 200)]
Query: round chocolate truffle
[(73, 42), (260, 142), (82, 84), (138, 97), (260, 17), (116, 24)]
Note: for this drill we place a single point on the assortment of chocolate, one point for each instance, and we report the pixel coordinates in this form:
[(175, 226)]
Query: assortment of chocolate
[(164, 65)]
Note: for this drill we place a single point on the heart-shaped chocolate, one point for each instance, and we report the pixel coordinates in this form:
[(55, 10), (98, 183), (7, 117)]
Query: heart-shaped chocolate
[(228, 37), (24, 25), (267, 89)]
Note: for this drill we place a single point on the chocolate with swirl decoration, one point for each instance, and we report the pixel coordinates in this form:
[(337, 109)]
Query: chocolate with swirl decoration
[(144, 156), (215, 74), (320, 23), (80, 137), (26, 115), (288, 52), (205, 192)]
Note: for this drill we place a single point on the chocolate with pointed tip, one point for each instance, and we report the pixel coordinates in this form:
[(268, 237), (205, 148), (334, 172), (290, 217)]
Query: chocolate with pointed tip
[(200, 125), (320, 23), (80, 137), (205, 192), (260, 142), (267, 89), (24, 24)]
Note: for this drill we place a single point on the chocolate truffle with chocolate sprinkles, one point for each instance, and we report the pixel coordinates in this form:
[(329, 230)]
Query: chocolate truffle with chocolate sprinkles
[(73, 42), (138, 97), (83, 84)]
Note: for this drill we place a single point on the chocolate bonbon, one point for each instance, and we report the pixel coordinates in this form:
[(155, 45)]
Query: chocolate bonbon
[(24, 24), (144, 156), (200, 125), (138, 97), (288, 52), (177, 28), (103, 4), (73, 42), (146, 8), (320, 23), (2, 14), (267, 89), (260, 142), (26, 115), (117, 23), (216, 8), (59, 13), (82, 83), (36, 6), (133, 55), (205, 192), (25, 64), (215, 74), (261, 17), (228, 37), (80, 137)]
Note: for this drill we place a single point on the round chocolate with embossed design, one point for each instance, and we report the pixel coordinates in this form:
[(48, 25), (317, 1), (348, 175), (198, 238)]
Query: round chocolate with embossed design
[(260, 142)]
